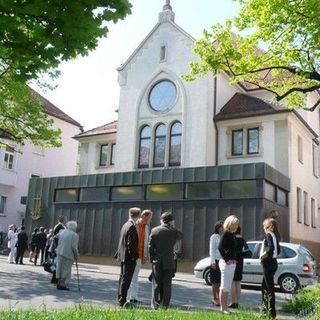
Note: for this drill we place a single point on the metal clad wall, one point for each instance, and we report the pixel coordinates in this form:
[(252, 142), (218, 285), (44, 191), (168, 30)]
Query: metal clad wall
[(100, 222)]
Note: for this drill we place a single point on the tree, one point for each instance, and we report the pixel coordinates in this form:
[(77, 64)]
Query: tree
[(35, 36), (272, 45)]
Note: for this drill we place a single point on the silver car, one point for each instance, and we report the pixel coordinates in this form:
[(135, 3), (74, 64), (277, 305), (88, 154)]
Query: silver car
[(296, 267)]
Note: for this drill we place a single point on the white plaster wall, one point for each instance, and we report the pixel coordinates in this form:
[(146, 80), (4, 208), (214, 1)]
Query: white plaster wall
[(191, 107), (301, 175), (90, 153), (47, 163), (268, 140)]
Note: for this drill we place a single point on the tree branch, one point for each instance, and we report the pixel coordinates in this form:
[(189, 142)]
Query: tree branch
[(313, 107)]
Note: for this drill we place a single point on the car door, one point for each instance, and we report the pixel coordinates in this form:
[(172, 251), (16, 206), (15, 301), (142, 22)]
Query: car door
[(252, 270)]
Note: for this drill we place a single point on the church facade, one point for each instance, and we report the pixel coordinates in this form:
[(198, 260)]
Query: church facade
[(203, 150)]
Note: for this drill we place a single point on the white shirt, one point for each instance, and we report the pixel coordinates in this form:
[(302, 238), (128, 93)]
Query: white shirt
[(213, 248), (12, 239)]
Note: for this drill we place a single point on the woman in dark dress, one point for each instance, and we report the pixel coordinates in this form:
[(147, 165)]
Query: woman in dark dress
[(270, 251), (227, 263), (241, 246)]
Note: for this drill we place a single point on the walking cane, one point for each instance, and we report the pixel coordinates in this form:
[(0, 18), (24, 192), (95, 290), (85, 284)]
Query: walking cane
[(77, 274)]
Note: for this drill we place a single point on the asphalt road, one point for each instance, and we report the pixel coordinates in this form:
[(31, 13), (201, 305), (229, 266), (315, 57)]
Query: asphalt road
[(28, 286)]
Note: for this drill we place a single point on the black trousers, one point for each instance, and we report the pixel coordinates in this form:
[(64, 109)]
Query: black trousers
[(127, 270), (161, 286), (38, 250), (20, 253), (269, 267)]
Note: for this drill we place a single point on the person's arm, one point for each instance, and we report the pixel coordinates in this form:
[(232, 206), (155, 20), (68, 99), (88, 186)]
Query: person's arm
[(212, 248), (132, 242), (74, 245), (151, 248)]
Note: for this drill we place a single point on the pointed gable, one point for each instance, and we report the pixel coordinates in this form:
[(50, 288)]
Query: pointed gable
[(242, 105)]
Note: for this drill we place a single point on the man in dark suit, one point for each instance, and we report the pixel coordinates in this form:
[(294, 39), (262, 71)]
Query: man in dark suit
[(22, 245), (127, 253), (40, 240), (161, 249)]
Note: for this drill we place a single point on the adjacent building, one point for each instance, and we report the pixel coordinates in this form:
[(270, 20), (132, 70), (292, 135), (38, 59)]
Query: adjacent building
[(203, 150), (19, 163)]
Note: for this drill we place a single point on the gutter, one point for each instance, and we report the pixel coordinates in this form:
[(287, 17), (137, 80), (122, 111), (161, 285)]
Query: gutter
[(214, 121)]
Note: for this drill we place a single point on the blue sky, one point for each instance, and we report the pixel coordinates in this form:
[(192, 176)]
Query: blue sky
[(88, 89)]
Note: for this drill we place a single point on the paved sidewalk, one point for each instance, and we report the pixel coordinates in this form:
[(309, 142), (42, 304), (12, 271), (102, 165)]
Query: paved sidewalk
[(28, 286)]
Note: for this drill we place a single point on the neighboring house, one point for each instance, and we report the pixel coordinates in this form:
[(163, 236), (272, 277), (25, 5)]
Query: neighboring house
[(203, 150), (19, 163), (97, 149)]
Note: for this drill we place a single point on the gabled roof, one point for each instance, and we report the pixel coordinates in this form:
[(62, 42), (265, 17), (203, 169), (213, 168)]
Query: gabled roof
[(149, 35), (108, 128), (242, 105), (50, 109)]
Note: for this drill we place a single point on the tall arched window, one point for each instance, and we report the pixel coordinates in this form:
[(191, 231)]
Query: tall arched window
[(160, 146), (144, 147), (175, 144)]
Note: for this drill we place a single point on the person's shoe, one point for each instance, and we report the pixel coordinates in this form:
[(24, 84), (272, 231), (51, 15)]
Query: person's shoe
[(234, 305), (21, 263), (63, 288), (216, 302), (135, 301), (225, 312), (128, 305)]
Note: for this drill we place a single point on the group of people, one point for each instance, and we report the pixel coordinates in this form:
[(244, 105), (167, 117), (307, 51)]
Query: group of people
[(136, 246), (59, 245), (227, 251)]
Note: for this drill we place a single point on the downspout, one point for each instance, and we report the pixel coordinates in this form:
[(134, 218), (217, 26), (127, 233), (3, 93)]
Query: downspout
[(214, 121)]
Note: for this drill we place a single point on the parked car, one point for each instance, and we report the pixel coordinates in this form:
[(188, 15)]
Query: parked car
[(296, 267)]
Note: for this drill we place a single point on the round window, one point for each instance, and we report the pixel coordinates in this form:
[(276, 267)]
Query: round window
[(162, 95)]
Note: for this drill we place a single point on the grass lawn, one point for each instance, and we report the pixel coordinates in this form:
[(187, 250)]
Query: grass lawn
[(84, 312)]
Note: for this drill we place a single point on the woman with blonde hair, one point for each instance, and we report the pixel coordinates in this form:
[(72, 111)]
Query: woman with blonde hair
[(227, 263), (270, 251)]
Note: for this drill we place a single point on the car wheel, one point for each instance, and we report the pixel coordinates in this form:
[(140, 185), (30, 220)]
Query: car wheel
[(207, 276), (289, 283)]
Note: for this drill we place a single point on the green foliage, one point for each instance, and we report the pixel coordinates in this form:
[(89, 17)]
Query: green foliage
[(35, 36), (289, 64), (305, 303)]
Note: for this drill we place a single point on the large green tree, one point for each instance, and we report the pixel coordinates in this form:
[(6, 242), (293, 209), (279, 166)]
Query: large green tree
[(35, 36), (271, 44)]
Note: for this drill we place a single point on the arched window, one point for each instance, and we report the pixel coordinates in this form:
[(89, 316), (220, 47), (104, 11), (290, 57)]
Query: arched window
[(144, 147), (175, 144), (160, 146)]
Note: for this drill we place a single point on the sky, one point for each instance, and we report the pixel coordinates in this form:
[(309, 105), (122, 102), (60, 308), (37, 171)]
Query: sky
[(88, 89)]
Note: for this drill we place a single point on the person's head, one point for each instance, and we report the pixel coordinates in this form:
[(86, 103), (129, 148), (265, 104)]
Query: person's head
[(270, 225), (41, 229), (22, 228), (62, 219), (218, 227), (11, 227), (231, 224), (146, 216), (50, 232), (166, 218), (72, 225), (35, 230), (134, 213)]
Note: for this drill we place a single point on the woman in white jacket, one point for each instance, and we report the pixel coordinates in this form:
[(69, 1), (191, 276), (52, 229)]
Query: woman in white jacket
[(12, 241), (67, 252)]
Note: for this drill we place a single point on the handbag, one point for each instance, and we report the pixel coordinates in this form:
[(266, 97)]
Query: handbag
[(49, 266)]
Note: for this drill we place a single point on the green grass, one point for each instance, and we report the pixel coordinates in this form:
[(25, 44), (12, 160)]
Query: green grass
[(306, 303), (85, 312)]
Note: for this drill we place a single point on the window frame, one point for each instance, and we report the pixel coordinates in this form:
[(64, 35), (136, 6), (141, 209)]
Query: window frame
[(305, 209), (143, 166), (100, 155), (248, 140), (157, 138), (171, 163), (313, 213), (113, 154), (233, 142), (8, 164), (3, 204), (299, 205)]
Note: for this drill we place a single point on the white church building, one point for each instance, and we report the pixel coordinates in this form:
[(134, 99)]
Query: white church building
[(203, 150)]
